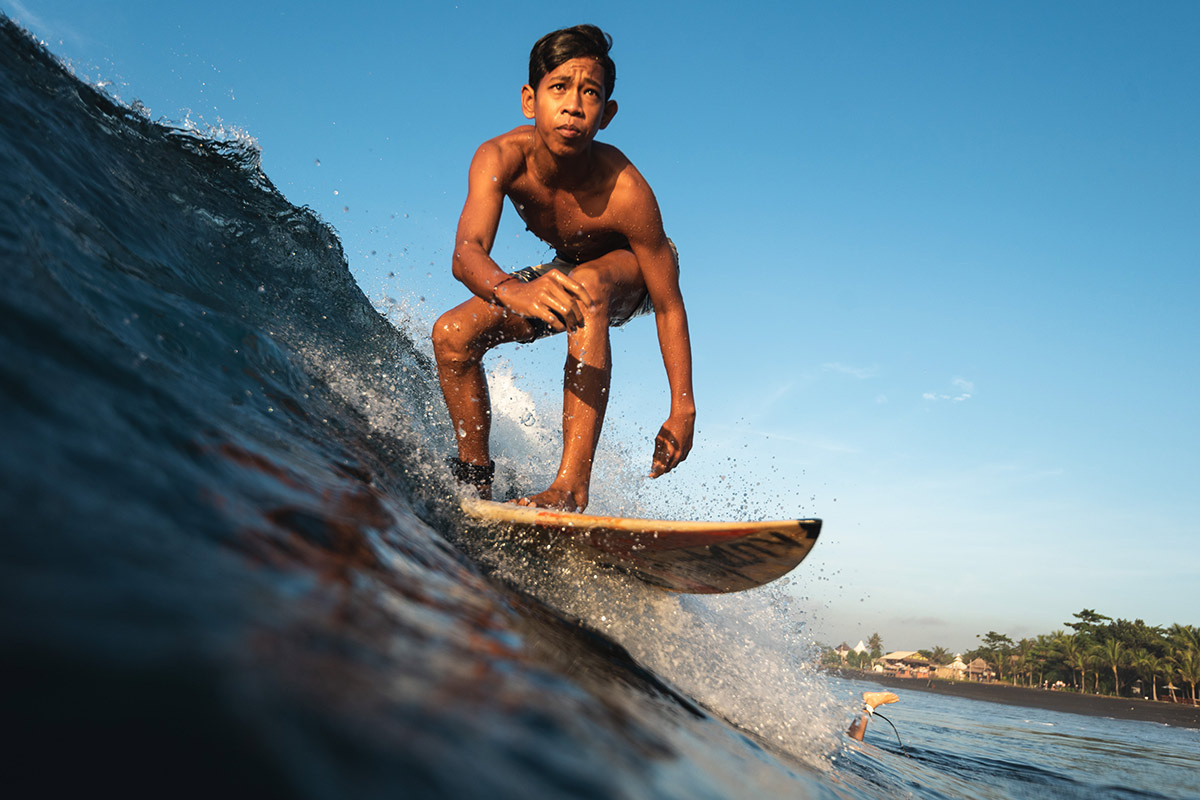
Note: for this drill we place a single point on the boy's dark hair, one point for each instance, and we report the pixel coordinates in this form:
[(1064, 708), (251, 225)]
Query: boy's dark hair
[(558, 47)]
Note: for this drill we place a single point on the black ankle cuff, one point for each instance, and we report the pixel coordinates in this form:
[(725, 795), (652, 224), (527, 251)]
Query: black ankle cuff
[(477, 475)]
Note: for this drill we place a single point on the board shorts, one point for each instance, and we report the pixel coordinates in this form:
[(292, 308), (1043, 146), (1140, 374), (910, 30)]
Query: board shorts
[(542, 329)]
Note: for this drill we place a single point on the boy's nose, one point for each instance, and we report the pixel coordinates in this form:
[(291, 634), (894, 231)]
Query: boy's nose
[(573, 104)]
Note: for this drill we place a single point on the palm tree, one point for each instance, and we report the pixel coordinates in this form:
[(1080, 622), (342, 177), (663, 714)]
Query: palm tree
[(1071, 655), (1114, 655), (939, 656), (876, 645), (1187, 667), (1022, 666), (1146, 663), (1043, 651), (1184, 637), (1091, 657), (997, 647), (1032, 659)]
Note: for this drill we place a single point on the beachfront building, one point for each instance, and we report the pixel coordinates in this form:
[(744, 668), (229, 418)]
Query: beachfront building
[(905, 664), (956, 670), (978, 670), (842, 650)]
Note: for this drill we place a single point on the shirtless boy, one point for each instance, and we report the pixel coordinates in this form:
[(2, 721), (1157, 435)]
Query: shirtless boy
[(613, 261)]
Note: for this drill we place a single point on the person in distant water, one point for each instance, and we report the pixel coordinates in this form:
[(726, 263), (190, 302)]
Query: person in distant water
[(612, 262), (871, 701)]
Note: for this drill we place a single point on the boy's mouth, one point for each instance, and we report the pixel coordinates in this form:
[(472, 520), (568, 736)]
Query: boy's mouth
[(569, 131)]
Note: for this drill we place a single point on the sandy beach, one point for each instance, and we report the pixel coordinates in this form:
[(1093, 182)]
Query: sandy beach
[(1177, 714)]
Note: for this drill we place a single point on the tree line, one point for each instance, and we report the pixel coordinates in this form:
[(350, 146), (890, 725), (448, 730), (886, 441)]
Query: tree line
[(1098, 655)]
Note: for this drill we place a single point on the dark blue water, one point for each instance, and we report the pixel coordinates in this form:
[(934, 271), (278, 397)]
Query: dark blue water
[(230, 561), (945, 746)]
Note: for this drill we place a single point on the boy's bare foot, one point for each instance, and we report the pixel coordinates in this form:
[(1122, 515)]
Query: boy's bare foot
[(875, 699), (556, 499)]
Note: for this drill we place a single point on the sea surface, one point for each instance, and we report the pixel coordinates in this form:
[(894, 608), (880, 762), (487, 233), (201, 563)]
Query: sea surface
[(231, 564)]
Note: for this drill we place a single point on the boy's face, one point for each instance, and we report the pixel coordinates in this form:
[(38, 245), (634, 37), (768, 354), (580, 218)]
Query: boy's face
[(569, 108)]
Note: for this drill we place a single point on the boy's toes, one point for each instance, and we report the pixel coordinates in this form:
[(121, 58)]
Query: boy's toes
[(556, 499)]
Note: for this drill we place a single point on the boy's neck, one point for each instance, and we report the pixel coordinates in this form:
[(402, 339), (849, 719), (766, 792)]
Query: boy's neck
[(557, 172)]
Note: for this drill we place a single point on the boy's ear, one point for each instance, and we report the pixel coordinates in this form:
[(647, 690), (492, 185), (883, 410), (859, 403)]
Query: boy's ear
[(610, 111), (527, 98)]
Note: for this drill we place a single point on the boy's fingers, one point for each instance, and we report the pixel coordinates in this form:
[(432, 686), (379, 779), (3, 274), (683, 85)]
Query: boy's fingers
[(560, 302), (566, 312), (578, 291), (550, 308), (553, 319), (666, 454)]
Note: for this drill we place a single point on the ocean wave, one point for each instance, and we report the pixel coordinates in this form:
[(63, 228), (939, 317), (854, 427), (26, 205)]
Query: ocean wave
[(231, 555)]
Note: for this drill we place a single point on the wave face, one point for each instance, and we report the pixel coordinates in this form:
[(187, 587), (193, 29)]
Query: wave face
[(227, 557)]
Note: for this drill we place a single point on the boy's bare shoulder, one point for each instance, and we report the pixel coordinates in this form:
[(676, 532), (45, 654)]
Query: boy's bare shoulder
[(519, 139), (509, 149), (612, 161), (628, 184)]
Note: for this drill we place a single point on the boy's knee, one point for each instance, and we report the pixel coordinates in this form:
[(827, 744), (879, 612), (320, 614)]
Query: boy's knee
[(450, 341), (614, 283), (598, 287)]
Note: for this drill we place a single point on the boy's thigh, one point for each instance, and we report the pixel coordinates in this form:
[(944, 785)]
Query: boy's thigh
[(478, 323), (616, 279)]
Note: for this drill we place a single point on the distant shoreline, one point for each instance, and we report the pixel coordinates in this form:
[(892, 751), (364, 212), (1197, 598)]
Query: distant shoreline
[(1175, 714)]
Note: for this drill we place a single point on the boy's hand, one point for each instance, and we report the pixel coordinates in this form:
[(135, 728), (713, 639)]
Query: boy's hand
[(672, 445), (554, 298)]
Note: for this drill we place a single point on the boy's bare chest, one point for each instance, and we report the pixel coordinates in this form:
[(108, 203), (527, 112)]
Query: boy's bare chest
[(579, 224)]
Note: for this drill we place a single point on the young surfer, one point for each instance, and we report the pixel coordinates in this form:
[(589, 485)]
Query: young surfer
[(612, 262)]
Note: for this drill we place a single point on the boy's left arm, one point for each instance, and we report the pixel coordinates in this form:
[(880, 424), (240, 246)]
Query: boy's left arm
[(661, 275)]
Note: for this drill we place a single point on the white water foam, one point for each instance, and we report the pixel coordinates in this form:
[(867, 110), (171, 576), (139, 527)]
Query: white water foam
[(745, 656)]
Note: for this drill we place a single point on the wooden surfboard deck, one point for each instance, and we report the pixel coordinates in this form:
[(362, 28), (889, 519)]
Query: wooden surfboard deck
[(679, 556)]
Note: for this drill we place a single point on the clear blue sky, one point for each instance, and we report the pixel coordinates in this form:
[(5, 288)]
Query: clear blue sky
[(941, 259)]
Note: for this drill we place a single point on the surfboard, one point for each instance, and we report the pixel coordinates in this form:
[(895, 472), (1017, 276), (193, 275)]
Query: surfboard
[(675, 555)]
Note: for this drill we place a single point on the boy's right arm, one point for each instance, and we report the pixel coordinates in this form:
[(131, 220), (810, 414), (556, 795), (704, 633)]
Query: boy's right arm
[(554, 298), (472, 263)]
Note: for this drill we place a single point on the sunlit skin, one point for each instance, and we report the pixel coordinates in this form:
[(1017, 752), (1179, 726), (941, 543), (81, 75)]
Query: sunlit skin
[(873, 700), (588, 202)]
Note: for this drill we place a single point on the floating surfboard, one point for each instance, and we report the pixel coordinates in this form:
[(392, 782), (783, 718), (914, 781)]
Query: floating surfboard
[(693, 557)]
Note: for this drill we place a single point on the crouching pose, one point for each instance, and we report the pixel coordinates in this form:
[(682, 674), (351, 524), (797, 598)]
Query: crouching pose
[(612, 262)]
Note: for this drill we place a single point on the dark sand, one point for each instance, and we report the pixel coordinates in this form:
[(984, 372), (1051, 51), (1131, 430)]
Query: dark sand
[(1177, 714)]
